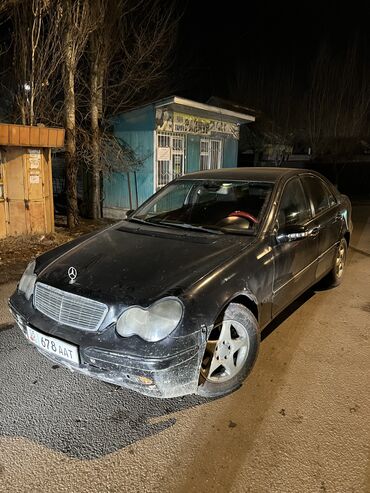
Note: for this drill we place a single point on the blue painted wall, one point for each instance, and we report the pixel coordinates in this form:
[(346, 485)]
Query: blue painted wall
[(230, 153), (136, 129), (192, 153)]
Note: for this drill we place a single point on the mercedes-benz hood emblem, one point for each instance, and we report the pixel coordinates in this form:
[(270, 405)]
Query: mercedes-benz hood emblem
[(72, 273)]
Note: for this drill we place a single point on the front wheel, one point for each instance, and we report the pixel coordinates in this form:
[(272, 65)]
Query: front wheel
[(230, 353)]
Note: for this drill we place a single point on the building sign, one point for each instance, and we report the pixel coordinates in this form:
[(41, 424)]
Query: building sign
[(203, 126), (168, 121)]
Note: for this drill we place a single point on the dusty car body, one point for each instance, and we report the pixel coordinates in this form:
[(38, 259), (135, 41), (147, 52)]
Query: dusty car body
[(89, 305)]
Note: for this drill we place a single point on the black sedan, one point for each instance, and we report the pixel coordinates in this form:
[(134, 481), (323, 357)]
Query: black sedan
[(171, 301)]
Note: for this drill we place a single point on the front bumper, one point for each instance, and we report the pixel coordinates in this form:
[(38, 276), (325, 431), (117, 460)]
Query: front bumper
[(166, 376)]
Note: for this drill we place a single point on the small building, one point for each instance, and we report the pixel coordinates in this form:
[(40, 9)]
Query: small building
[(26, 190), (169, 138)]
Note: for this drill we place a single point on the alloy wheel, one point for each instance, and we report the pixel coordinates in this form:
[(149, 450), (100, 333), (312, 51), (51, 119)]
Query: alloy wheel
[(340, 259), (226, 352)]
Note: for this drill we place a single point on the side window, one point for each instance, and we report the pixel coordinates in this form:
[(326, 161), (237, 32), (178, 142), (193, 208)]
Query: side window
[(294, 208), (318, 192), (332, 199)]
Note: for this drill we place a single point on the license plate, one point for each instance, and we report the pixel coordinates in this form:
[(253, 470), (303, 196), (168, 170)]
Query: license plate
[(53, 346)]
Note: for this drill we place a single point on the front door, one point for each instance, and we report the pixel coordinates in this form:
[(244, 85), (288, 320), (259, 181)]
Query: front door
[(327, 216), (170, 158), (295, 261)]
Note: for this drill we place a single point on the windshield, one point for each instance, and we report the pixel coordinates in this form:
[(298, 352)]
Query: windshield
[(211, 205)]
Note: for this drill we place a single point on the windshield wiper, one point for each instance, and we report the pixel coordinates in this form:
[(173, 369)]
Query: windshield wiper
[(169, 224)]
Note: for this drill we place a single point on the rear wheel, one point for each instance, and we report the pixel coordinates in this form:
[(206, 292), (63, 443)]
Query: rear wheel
[(230, 353), (335, 276)]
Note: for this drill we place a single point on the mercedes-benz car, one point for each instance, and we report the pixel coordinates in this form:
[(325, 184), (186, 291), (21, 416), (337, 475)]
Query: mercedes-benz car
[(172, 300)]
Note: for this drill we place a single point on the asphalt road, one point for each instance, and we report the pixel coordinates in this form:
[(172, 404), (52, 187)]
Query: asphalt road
[(301, 422)]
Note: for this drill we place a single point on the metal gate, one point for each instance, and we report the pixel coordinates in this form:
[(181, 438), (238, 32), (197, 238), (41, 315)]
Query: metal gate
[(170, 157)]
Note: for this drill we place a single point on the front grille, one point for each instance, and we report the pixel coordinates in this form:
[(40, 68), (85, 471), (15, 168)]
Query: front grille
[(69, 309)]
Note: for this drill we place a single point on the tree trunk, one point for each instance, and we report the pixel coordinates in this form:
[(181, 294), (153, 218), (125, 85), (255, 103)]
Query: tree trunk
[(70, 145), (23, 112), (96, 88)]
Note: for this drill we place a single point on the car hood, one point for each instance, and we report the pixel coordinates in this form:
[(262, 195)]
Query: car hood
[(133, 264)]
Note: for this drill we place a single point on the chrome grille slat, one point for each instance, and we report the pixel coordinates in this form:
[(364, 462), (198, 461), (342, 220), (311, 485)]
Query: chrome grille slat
[(68, 308)]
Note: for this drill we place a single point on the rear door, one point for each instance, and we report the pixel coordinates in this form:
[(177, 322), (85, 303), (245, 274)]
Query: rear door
[(295, 261), (326, 214)]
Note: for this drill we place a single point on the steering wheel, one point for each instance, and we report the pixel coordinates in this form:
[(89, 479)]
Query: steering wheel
[(244, 215)]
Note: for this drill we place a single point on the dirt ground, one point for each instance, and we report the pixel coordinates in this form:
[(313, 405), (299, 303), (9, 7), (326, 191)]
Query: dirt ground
[(16, 252)]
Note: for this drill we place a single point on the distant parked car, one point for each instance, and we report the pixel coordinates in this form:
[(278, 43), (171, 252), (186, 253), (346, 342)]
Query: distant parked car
[(171, 301)]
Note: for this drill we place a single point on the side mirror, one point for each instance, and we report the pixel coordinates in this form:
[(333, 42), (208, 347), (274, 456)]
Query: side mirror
[(294, 232), (129, 213)]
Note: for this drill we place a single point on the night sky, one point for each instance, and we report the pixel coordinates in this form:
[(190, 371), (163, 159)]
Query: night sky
[(214, 40)]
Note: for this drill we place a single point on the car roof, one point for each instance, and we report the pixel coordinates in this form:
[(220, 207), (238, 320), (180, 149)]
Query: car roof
[(256, 173)]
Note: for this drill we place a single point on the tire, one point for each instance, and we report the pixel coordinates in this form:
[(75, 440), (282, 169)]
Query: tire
[(335, 276), (234, 342)]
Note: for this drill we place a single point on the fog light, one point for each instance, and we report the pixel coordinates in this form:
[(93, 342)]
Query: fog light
[(145, 380)]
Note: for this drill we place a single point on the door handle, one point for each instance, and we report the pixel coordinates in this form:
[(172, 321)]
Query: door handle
[(314, 232)]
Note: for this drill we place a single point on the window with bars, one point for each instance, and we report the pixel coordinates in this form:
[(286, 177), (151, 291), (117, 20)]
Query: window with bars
[(170, 157), (210, 154)]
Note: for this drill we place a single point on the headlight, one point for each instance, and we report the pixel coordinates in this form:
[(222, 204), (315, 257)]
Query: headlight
[(153, 323), (27, 282)]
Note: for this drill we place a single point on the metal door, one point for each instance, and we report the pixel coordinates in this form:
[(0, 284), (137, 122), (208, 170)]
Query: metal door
[(170, 157)]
